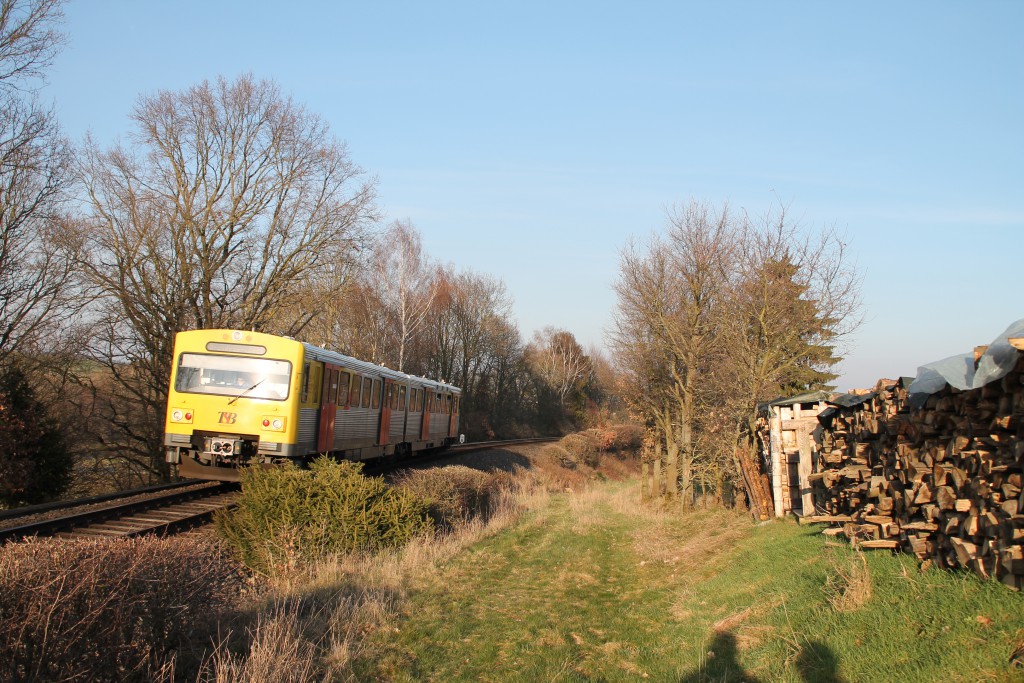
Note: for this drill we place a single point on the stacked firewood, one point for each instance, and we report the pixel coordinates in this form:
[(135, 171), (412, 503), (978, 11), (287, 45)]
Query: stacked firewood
[(943, 481)]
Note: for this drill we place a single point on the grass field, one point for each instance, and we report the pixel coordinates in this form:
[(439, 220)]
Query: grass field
[(594, 587), (566, 576)]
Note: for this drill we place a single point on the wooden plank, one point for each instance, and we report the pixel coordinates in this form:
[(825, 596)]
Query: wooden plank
[(828, 519)]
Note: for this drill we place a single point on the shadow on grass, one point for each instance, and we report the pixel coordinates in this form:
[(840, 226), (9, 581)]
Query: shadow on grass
[(492, 460), (720, 663), (816, 664)]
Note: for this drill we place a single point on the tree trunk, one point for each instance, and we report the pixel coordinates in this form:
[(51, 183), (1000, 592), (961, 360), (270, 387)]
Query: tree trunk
[(686, 478), (656, 483), (645, 480)]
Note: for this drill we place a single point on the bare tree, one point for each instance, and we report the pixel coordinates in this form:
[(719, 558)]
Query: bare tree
[(36, 256), (405, 283), (232, 199), (36, 251), (669, 302), (29, 38), (333, 293), (469, 338), (557, 358)]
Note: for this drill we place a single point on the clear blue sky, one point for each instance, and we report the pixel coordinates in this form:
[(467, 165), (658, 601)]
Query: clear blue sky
[(531, 140)]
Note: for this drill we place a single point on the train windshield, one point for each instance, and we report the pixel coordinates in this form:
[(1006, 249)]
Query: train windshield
[(233, 376)]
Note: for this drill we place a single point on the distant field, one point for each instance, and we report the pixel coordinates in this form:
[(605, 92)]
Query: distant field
[(591, 586)]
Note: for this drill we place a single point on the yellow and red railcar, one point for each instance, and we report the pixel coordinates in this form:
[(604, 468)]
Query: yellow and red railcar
[(241, 398)]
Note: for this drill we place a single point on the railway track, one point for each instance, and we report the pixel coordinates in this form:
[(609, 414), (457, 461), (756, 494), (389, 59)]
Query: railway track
[(484, 445), (161, 511), (168, 508), (386, 466)]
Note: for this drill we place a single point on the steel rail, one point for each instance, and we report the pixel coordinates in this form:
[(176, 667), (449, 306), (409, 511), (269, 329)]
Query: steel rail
[(162, 514), (28, 510), (179, 509)]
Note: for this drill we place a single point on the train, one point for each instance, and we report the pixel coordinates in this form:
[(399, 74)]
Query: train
[(238, 398)]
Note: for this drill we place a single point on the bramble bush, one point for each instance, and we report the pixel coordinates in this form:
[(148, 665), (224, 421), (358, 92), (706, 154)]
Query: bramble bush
[(628, 438), (110, 610), (288, 518), (456, 494), (580, 449)]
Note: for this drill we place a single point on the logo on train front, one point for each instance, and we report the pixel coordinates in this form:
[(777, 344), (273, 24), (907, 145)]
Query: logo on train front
[(228, 418)]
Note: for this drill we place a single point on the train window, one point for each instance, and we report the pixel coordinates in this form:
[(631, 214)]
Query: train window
[(304, 395), (456, 405), (367, 383), (233, 376), (343, 385), (316, 384), (227, 347), (353, 396), (401, 398), (332, 392), (375, 400), (414, 400)]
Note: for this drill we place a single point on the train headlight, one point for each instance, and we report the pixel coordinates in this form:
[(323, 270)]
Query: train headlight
[(181, 415), (273, 423)]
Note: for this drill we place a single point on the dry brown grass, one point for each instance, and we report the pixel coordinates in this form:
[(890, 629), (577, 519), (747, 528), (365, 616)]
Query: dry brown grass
[(689, 546), (277, 652), (181, 609), (117, 610), (848, 585), (325, 614)]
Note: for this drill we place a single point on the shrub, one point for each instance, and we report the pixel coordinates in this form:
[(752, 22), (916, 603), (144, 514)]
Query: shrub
[(628, 437), (35, 465), (287, 517), (582, 448), (456, 493), (111, 610), (560, 455)]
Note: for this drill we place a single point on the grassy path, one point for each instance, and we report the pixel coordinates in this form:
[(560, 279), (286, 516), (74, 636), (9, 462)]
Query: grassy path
[(595, 588), (555, 598)]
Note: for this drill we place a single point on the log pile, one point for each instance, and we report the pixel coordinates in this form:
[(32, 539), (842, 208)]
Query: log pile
[(943, 481)]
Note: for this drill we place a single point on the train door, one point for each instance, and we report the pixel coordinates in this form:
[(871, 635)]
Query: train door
[(425, 402), (453, 415), (385, 413), (328, 408)]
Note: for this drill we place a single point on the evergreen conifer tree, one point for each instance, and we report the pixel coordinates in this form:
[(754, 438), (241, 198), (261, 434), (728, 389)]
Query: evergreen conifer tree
[(35, 465)]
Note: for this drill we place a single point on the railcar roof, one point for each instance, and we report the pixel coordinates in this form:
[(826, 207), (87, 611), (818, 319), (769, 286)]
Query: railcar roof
[(371, 369)]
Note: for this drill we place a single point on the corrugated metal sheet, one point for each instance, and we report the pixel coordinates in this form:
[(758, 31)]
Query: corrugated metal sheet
[(309, 425)]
